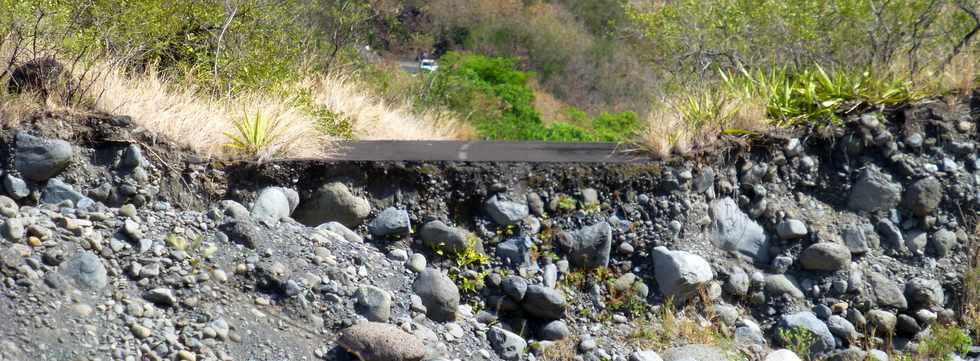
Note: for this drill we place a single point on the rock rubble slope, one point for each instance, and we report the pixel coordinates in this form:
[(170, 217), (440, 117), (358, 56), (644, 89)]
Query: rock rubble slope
[(117, 247)]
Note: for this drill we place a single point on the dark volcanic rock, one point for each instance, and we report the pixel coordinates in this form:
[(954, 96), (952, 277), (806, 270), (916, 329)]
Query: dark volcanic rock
[(589, 247), (40, 159)]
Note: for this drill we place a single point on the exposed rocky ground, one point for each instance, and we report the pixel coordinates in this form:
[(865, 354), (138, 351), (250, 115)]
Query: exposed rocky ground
[(119, 246)]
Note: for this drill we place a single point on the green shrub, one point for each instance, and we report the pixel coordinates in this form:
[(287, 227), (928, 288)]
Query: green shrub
[(253, 135), (616, 127), (815, 95), (797, 339), (943, 341)]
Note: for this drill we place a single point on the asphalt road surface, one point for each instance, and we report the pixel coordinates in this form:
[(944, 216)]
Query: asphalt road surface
[(486, 151)]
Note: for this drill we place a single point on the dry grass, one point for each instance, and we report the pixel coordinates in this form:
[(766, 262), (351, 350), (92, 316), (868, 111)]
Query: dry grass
[(373, 118), (15, 109), (178, 112), (971, 289), (696, 323), (676, 127), (960, 76), (562, 350)]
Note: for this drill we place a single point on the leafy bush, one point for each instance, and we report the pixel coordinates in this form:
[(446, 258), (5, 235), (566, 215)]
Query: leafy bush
[(797, 339), (943, 341), (816, 95), (499, 101), (616, 127)]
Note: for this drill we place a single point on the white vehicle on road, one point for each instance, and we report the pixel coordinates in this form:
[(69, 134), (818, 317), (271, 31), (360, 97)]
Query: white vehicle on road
[(428, 65)]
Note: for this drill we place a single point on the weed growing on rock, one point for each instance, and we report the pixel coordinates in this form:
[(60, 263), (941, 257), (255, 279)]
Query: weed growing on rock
[(672, 327), (563, 350), (574, 279), (628, 301), (797, 339), (566, 203), (468, 280), (196, 248)]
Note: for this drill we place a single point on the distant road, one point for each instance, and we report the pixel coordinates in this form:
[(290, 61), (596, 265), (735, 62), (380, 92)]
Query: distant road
[(486, 151)]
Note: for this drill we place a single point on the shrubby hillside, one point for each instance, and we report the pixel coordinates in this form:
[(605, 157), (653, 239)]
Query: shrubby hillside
[(670, 76)]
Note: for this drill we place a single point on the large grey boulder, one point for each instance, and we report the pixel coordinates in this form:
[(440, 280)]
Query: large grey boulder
[(373, 303), (438, 235), (748, 334), (438, 293), (825, 256), (340, 230), (390, 222), (87, 270), (886, 292), (508, 345), (695, 352), (916, 241), (841, 327), (823, 340), (874, 191), (39, 159), (943, 242), (543, 302), (271, 204), (244, 232), (131, 157), (553, 331), (333, 202), (515, 251), (57, 192), (680, 274), (780, 284), (589, 246), (738, 282), (233, 209), (645, 355), (891, 235), (515, 287), (375, 341), (923, 293), (883, 321), (791, 229), (782, 355), (734, 231), (506, 212), (923, 197), (15, 187), (856, 239)]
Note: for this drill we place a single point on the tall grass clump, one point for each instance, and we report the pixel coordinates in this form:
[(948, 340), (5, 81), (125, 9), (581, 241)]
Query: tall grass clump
[(177, 111)]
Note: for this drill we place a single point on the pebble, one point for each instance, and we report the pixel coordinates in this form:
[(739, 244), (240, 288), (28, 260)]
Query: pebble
[(219, 275), (186, 355), (398, 255), (127, 210), (140, 331)]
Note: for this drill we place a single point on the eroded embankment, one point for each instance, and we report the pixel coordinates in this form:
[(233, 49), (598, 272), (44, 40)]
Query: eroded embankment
[(861, 235)]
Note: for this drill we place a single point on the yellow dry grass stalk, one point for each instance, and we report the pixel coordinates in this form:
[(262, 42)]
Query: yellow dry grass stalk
[(179, 112), (696, 323), (971, 289), (681, 124), (372, 118), (563, 350)]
